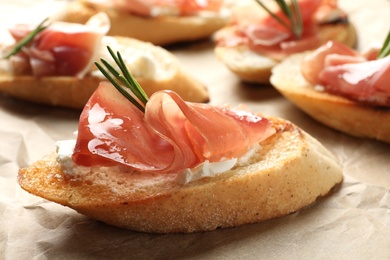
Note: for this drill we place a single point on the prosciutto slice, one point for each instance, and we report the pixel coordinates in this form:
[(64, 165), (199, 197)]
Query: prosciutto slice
[(315, 62), (263, 34), (62, 49), (342, 71), (171, 136)]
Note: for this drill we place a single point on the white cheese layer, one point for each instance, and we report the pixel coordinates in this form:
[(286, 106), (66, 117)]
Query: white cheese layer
[(65, 150), (143, 60), (208, 169), (164, 11), (160, 11)]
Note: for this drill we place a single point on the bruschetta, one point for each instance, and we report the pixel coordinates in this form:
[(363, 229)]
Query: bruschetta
[(56, 66), (257, 40), (160, 22), (341, 88), (164, 165)]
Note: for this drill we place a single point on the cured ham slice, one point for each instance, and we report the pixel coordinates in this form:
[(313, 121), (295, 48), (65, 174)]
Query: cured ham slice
[(366, 82), (171, 136), (314, 62), (342, 71), (263, 34), (62, 49), (113, 131)]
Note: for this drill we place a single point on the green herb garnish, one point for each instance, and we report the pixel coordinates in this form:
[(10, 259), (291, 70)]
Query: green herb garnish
[(27, 39), (292, 12), (128, 81), (385, 50)]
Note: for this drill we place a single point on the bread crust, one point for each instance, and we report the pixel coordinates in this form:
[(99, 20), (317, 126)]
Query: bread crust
[(290, 172), (73, 92), (254, 67), (159, 30), (337, 112)]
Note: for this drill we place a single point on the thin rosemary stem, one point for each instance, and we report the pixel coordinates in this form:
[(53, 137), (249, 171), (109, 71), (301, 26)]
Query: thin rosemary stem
[(127, 80), (298, 26), (273, 15), (27, 39), (292, 12), (385, 50)]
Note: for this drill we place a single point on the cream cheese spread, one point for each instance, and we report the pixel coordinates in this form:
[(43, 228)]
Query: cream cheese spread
[(141, 61), (65, 150), (164, 11), (207, 169)]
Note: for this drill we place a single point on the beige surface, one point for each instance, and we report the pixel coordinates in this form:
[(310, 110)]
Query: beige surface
[(354, 223)]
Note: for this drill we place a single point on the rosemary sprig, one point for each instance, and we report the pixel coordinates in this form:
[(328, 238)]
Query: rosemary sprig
[(127, 80), (385, 50), (27, 39), (293, 13)]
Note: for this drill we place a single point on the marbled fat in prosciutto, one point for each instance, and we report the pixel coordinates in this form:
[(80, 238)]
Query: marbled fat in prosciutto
[(342, 71)]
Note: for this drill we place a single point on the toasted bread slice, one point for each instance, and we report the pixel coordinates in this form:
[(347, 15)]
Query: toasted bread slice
[(162, 30), (291, 171), (334, 111), (254, 67), (74, 92)]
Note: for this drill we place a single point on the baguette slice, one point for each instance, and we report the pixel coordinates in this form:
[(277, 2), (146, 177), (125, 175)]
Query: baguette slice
[(73, 92), (254, 67), (291, 171), (160, 30), (334, 111)]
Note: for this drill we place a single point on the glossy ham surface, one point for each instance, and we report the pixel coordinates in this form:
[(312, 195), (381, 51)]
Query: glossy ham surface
[(342, 71), (314, 62), (62, 49), (171, 136), (264, 34)]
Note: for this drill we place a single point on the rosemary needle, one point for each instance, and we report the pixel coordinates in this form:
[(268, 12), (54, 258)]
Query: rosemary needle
[(27, 39), (292, 12), (385, 50), (127, 80)]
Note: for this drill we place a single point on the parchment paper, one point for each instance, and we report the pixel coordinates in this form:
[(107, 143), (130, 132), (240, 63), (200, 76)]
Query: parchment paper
[(353, 223)]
